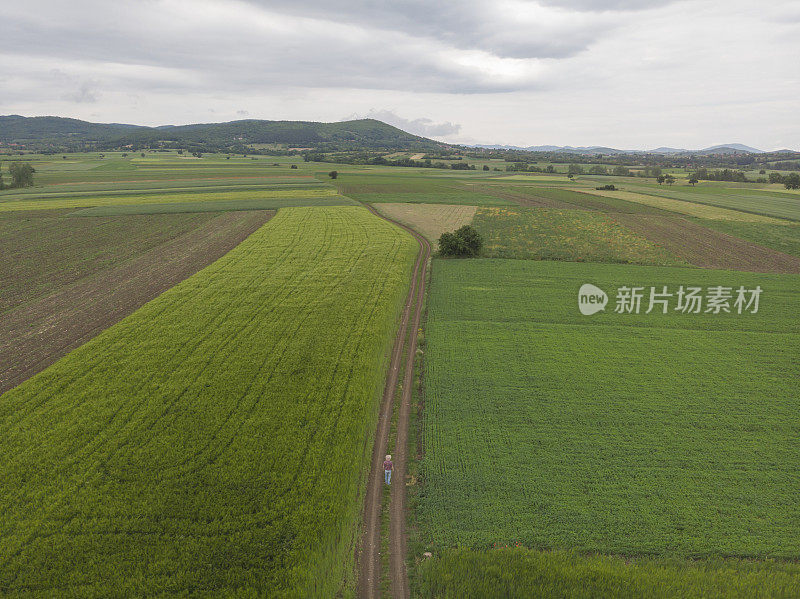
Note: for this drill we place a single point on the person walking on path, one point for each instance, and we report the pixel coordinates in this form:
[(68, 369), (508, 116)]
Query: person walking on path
[(387, 469)]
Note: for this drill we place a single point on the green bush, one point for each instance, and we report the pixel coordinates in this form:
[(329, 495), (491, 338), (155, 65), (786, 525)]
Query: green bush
[(465, 242)]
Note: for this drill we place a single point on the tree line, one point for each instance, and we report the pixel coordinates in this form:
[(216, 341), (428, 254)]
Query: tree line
[(790, 181), (382, 161)]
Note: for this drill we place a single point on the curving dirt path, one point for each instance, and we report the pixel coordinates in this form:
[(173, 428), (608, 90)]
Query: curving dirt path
[(405, 343)]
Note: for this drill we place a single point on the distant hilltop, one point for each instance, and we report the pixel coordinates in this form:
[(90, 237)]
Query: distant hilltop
[(718, 149), (53, 133), (362, 133)]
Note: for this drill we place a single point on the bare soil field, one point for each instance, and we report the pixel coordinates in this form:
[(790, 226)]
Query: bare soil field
[(706, 248), (85, 294), (44, 250), (431, 220)]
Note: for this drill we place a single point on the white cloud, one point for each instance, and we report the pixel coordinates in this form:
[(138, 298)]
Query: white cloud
[(420, 126)]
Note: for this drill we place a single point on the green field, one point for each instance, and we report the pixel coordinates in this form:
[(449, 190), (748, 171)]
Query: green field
[(168, 183), (622, 433), (519, 572), (573, 235), (216, 441)]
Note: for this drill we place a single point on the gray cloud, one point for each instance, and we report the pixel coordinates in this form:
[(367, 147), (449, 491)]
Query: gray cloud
[(512, 71), (204, 44), (518, 29), (474, 46), (84, 94), (421, 126), (607, 5)]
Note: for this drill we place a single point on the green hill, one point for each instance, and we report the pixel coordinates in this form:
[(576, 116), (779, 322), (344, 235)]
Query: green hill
[(56, 131), (15, 128)]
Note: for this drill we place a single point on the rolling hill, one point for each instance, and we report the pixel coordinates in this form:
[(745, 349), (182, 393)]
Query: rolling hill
[(366, 133)]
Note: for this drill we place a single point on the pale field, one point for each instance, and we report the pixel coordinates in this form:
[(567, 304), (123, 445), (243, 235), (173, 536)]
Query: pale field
[(431, 220)]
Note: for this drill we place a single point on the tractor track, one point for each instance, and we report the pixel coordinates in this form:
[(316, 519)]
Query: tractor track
[(405, 344)]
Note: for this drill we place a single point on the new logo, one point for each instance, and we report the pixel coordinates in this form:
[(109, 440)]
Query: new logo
[(591, 299)]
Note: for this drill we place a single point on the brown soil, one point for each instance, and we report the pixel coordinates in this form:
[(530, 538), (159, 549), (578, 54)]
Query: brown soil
[(36, 333), (45, 250), (405, 342), (523, 199), (706, 248)]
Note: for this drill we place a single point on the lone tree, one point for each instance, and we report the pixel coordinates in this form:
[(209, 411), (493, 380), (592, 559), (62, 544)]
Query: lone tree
[(792, 181), (693, 181), (661, 179), (21, 174), (669, 179), (464, 242), (333, 174)]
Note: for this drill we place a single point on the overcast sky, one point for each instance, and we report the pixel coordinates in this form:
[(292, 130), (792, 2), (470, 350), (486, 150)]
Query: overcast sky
[(623, 73)]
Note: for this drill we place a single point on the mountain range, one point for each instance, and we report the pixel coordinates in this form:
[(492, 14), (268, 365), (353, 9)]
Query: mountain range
[(52, 132), (362, 133), (732, 148)]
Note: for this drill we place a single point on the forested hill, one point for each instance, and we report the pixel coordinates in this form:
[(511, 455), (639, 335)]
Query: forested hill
[(15, 128), (63, 132)]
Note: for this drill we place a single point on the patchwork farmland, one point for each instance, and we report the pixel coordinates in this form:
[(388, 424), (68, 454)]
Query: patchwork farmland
[(200, 359), (216, 439)]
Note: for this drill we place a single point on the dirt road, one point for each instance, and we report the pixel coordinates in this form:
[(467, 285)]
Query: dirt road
[(405, 343)]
